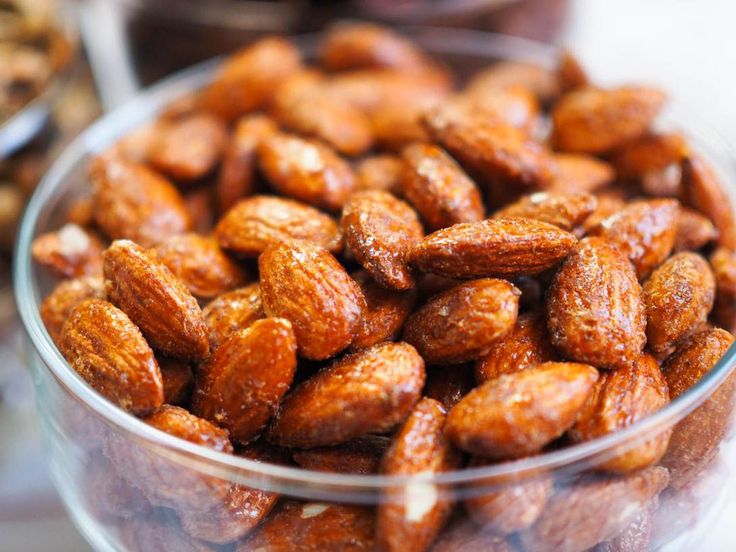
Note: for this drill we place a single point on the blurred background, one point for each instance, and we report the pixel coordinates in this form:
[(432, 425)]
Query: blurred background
[(62, 66)]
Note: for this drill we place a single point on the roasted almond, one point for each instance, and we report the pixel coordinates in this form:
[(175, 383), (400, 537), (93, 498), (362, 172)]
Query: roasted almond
[(380, 172), (200, 264), (380, 231), (462, 323), (244, 380), (575, 172), (694, 231), (57, 306), (723, 263), (596, 120), (678, 297), (69, 252), (131, 201), (306, 170), (595, 313), (104, 347), (157, 302), (178, 380), (449, 385), (438, 188), (232, 311), (366, 392), (302, 282), (505, 247), (650, 154), (419, 447), (571, 73), (610, 202), (565, 210), (517, 414), (362, 455), (533, 76)]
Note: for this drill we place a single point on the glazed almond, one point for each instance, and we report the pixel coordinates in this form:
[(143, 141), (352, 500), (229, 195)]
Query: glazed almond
[(575, 172), (362, 455), (694, 231), (57, 306), (232, 311), (69, 252), (565, 210)]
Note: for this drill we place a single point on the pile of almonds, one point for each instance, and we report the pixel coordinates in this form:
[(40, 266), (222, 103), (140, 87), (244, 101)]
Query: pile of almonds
[(362, 268)]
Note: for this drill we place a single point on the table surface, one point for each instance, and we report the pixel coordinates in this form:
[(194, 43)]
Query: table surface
[(686, 46)]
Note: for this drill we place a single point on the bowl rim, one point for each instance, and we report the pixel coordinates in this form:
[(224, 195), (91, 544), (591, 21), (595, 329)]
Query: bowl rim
[(142, 108)]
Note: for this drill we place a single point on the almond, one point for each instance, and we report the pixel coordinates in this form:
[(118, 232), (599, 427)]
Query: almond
[(580, 173), (595, 120), (533, 76), (462, 323), (69, 252), (594, 309), (649, 154), (514, 105), (694, 231), (723, 263), (644, 231), (57, 306), (571, 73), (579, 516), (695, 439), (306, 170), (506, 247), (303, 283), (362, 455), (636, 536), (132, 201), (201, 208), (449, 385), (232, 311), (526, 345), (610, 202), (466, 536), (178, 380), (199, 263), (101, 343), (255, 222), (565, 210), (380, 231), (517, 414), (438, 188), (368, 391), (678, 297), (410, 517), (244, 380), (621, 398), (157, 302), (380, 172)]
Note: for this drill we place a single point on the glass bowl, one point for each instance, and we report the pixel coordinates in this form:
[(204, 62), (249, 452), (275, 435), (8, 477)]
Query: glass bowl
[(128, 485)]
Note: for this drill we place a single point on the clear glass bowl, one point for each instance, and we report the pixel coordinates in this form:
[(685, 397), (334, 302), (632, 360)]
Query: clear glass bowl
[(100, 457)]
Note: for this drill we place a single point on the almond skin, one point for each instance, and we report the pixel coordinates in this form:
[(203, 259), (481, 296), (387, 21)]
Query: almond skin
[(246, 80), (306, 170), (506, 248), (462, 323), (419, 447), (303, 283), (565, 210), (244, 380), (255, 222), (579, 516), (157, 302), (678, 297), (695, 439), (620, 398), (189, 148), (362, 455), (594, 309), (380, 231), (57, 306), (576, 172), (694, 231), (644, 231), (101, 343), (133, 202), (594, 120), (69, 252), (232, 311), (517, 414), (523, 347), (366, 392), (201, 265), (314, 526), (438, 188)]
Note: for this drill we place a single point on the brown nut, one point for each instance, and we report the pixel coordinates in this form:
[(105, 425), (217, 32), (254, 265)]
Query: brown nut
[(620, 398), (438, 188), (694, 231), (580, 173), (155, 300), (723, 263), (525, 346), (362, 455), (644, 231), (232, 311), (369, 391), (200, 264), (565, 210), (303, 283), (594, 309), (594, 120), (678, 297), (306, 170), (506, 248), (380, 231), (139, 534), (462, 323), (133, 202), (540, 80), (255, 222), (402, 521), (57, 306), (571, 73), (448, 386), (517, 414), (101, 343), (380, 172), (243, 382), (69, 252), (650, 154), (178, 380), (610, 202)]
